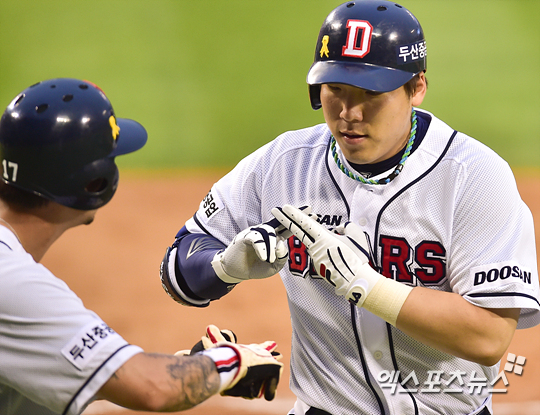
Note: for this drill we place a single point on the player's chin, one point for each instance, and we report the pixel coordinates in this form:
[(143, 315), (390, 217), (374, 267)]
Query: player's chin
[(357, 151), (89, 218), (89, 221)]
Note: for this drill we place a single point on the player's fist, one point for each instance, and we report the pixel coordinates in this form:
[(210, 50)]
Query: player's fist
[(255, 253), (212, 336), (258, 373)]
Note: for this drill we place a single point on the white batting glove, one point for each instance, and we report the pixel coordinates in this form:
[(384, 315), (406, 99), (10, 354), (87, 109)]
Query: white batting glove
[(281, 230), (255, 253), (340, 259)]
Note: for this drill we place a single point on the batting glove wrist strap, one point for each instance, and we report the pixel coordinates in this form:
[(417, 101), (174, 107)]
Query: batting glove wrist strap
[(227, 364), (376, 293), (255, 253)]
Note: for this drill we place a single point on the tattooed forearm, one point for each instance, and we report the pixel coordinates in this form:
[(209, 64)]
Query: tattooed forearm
[(162, 383), (195, 378)]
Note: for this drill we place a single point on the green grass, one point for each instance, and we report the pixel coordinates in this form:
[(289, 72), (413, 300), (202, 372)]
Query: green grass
[(214, 80)]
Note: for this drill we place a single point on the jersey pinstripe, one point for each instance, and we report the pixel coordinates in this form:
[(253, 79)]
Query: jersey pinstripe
[(453, 220)]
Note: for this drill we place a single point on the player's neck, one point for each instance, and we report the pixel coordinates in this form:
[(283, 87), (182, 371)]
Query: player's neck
[(35, 230), (370, 170)]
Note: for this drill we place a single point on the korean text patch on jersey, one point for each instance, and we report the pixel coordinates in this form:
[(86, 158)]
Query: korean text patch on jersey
[(500, 273), (80, 350), (210, 205)]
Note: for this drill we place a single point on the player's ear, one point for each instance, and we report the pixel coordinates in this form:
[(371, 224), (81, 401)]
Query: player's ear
[(419, 90)]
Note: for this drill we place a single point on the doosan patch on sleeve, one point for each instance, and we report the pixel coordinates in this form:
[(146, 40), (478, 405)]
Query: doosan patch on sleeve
[(80, 350), (210, 206), (500, 273)]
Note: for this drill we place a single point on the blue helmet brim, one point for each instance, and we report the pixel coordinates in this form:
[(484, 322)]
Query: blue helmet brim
[(361, 75), (132, 137)]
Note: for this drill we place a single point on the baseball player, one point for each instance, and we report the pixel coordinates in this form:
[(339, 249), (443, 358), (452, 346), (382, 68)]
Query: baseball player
[(58, 143), (406, 251)]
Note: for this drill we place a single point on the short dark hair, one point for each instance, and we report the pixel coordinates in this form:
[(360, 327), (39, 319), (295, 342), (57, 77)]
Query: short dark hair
[(410, 86), (20, 199)]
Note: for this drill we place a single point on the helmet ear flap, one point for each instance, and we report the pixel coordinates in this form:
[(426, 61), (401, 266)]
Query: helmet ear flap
[(97, 185), (315, 96), (89, 187), (99, 180)]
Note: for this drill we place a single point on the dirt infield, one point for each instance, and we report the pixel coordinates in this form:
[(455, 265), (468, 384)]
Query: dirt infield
[(113, 267)]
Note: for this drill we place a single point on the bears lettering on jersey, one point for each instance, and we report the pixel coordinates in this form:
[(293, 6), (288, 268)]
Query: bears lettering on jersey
[(396, 258), (299, 260), (396, 254)]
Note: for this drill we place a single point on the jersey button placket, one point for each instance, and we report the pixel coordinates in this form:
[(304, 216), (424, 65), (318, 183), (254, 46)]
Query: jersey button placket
[(363, 205)]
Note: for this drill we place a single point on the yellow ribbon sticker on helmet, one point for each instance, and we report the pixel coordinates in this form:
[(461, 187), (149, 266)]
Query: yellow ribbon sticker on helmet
[(324, 48), (115, 128)]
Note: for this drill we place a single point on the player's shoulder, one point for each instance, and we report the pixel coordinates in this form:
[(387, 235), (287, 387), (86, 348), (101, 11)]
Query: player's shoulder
[(20, 274), (464, 149), (9, 242), (302, 144), (305, 138)]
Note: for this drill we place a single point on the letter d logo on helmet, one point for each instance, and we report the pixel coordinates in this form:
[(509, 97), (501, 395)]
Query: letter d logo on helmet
[(376, 45)]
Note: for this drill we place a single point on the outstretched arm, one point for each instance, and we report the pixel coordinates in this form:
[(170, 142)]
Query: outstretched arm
[(162, 383)]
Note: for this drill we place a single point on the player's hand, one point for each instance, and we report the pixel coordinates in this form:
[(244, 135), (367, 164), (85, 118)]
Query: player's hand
[(259, 371), (209, 340), (341, 259), (255, 253), (281, 230)]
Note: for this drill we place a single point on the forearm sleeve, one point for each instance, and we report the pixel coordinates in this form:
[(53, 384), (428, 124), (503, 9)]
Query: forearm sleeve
[(186, 271)]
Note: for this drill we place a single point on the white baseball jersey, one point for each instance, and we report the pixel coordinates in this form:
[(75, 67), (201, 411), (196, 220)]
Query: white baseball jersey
[(453, 220), (55, 354)]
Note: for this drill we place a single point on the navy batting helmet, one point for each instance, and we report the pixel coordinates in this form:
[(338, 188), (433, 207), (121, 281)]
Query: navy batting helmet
[(376, 45), (58, 139)]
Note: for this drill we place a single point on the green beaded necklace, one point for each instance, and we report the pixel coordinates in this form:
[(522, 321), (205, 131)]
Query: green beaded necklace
[(392, 175)]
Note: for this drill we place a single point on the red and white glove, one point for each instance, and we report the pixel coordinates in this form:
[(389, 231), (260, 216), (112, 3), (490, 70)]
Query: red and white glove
[(258, 373), (212, 336), (247, 371)]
